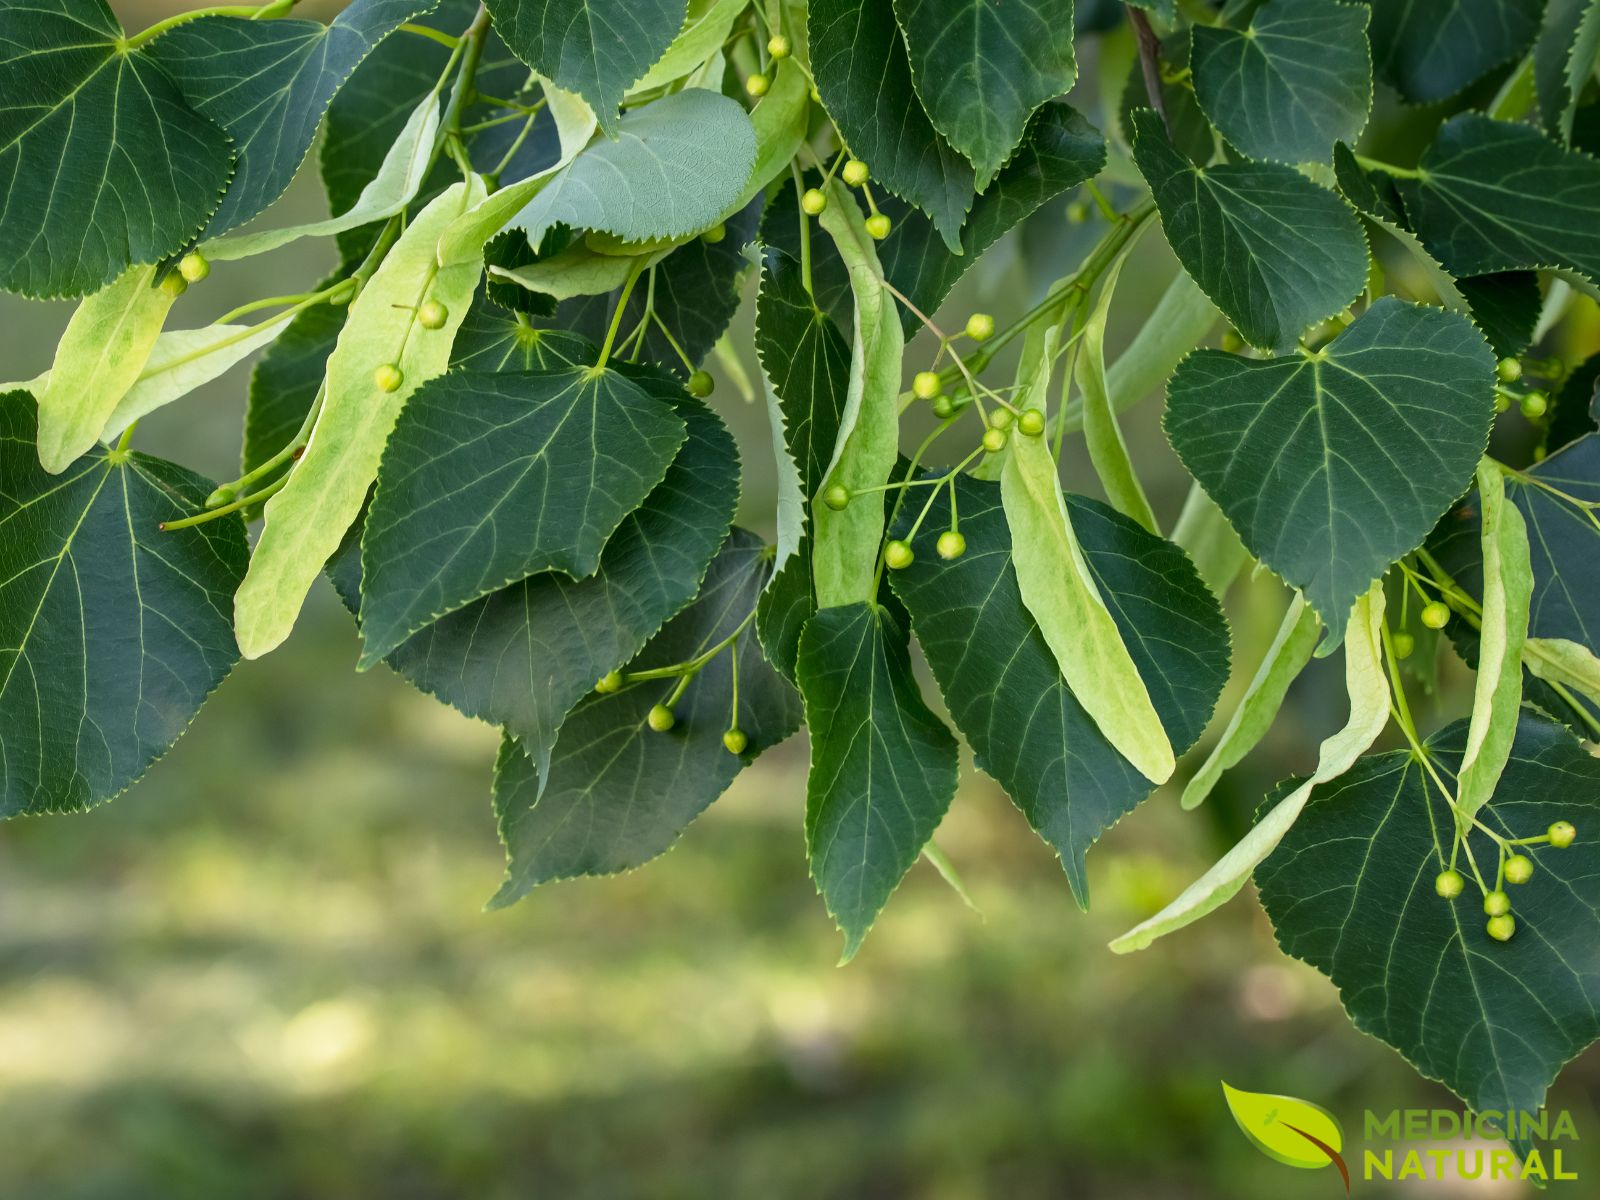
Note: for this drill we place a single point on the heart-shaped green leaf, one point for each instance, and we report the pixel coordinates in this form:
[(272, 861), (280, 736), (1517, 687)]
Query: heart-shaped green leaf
[(1432, 51), (1333, 464)]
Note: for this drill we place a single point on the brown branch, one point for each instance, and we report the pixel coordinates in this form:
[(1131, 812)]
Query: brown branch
[(1149, 61)]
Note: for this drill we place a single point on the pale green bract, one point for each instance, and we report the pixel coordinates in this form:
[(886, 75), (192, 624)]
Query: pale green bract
[(1497, 690), (98, 359), (1369, 713), (1563, 663), (845, 552), (307, 520), (1061, 594), (705, 29), (1285, 659)]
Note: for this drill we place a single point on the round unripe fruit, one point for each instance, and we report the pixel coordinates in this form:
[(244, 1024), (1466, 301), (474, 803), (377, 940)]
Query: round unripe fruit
[(734, 741), (433, 315), (757, 85), (608, 683), (661, 718), (701, 384), (943, 407), (778, 46), (1232, 342), (1497, 904), (1077, 212), (813, 202), (951, 544), (994, 440), (1404, 644), (1533, 405), (836, 497), (1501, 928), (1436, 614), (174, 285), (1501, 402), (388, 377), (1561, 834), (1449, 884), (193, 266), (897, 555), (1519, 868), (1001, 418), (1509, 370), (1031, 422), (926, 385), (878, 225), (980, 327), (715, 234), (855, 172)]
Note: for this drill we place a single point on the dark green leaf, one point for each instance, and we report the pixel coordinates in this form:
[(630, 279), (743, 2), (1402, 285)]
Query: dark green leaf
[(1060, 152), (596, 48), (1494, 196), (807, 361), (1563, 57), (1350, 891), (267, 84), (864, 79), (523, 656), (830, 281), (1297, 80), (1332, 465), (112, 632), (102, 163), (618, 793), (1003, 685), (488, 479), (1433, 50), (1372, 192), (883, 768), (1506, 307), (1275, 252), (493, 339), (982, 69)]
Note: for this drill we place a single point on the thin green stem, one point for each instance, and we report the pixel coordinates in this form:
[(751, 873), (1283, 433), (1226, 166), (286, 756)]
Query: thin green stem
[(212, 514), (805, 228), (435, 35), (616, 317), (291, 449), (1377, 164), (183, 18)]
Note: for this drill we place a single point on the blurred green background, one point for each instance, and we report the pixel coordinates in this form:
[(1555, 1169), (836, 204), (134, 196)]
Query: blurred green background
[(265, 972)]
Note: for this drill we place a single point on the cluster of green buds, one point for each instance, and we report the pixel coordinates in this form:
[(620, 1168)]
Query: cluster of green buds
[(855, 173), (1531, 402), (191, 268), (1516, 868)]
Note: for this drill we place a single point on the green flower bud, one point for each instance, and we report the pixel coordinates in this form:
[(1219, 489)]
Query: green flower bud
[(735, 741), (837, 497), (943, 407), (174, 284), (193, 266), (925, 385), (897, 555), (855, 172), (715, 234), (1404, 644), (1436, 614), (1519, 868), (1501, 928), (879, 225), (951, 545), (1508, 370), (608, 683), (778, 47), (1449, 884), (661, 718), (1497, 904), (701, 384), (994, 440), (757, 85), (813, 202), (1561, 834), (980, 327), (388, 378), (1001, 418), (1031, 422), (432, 315), (1533, 405)]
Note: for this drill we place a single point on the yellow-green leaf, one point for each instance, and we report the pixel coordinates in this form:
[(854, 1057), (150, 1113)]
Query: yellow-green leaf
[(1285, 1128)]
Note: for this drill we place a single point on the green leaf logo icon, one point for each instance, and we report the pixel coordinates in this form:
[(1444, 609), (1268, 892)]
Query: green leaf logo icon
[(1294, 1132)]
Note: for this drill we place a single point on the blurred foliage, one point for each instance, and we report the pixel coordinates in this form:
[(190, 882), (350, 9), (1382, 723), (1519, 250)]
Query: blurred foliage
[(264, 972)]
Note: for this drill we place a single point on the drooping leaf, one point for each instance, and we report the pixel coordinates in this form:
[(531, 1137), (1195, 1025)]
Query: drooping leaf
[(1497, 690), (845, 542), (307, 520), (1432, 51), (1060, 591), (112, 632), (1285, 659), (864, 79), (1350, 891), (806, 362), (1295, 81), (1274, 251), (267, 84), (1506, 307), (1563, 58), (488, 479), (99, 357), (883, 768), (1559, 662), (1496, 196), (522, 657), (597, 48), (618, 793), (1060, 151), (982, 70), (673, 168), (1368, 689), (1333, 464), (1101, 434), (102, 163), (1001, 680)]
